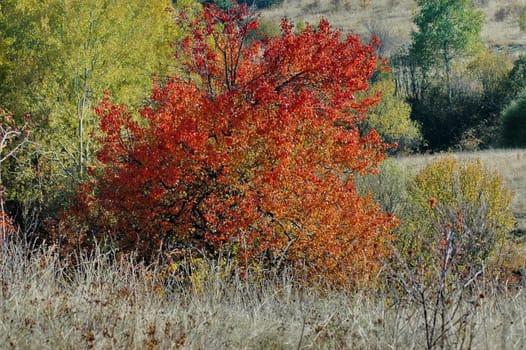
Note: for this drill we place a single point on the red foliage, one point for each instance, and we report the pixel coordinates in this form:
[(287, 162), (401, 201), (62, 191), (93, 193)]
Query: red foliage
[(252, 150), (7, 227)]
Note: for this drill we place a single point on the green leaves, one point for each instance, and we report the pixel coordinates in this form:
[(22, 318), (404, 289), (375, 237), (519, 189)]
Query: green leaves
[(58, 59), (447, 29), (513, 129)]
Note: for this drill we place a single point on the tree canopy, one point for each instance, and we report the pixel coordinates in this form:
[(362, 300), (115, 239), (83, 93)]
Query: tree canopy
[(252, 152), (57, 59), (446, 29)]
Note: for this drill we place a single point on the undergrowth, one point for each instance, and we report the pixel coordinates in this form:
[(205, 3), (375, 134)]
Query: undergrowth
[(109, 303)]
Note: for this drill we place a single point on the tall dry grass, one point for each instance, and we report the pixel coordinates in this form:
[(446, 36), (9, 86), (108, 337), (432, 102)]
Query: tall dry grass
[(105, 303)]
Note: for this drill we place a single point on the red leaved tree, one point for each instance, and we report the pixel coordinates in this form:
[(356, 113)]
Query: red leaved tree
[(251, 150)]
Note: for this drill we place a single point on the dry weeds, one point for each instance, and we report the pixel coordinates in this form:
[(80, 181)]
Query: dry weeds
[(105, 304)]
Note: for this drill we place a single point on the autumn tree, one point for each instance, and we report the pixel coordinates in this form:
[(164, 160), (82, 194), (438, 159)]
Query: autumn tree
[(56, 60), (253, 151)]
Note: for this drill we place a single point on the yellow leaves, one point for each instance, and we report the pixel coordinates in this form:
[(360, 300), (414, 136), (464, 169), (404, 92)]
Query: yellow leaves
[(453, 183), (391, 116), (466, 199)]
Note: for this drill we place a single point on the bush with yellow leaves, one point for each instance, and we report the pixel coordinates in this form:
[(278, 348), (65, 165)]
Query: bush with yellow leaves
[(467, 195)]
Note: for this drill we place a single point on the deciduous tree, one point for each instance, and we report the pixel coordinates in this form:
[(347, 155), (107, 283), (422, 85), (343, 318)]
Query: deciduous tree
[(57, 59), (446, 29), (391, 117), (252, 151)]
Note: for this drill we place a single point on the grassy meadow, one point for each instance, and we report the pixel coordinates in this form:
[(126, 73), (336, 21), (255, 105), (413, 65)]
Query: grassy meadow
[(109, 303)]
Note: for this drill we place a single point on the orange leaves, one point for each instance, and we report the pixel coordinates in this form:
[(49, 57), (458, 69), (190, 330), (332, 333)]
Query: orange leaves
[(247, 153)]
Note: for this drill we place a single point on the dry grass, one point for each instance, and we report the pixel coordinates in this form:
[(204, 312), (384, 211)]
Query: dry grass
[(391, 20), (109, 305)]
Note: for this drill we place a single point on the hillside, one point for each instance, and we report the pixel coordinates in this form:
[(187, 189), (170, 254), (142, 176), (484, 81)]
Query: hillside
[(391, 20)]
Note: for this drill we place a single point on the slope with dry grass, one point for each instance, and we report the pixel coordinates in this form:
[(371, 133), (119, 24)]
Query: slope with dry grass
[(391, 20)]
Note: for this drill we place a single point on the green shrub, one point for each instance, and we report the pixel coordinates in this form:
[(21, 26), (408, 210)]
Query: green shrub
[(391, 117), (446, 194), (444, 121), (513, 129), (389, 188), (267, 29), (516, 80)]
